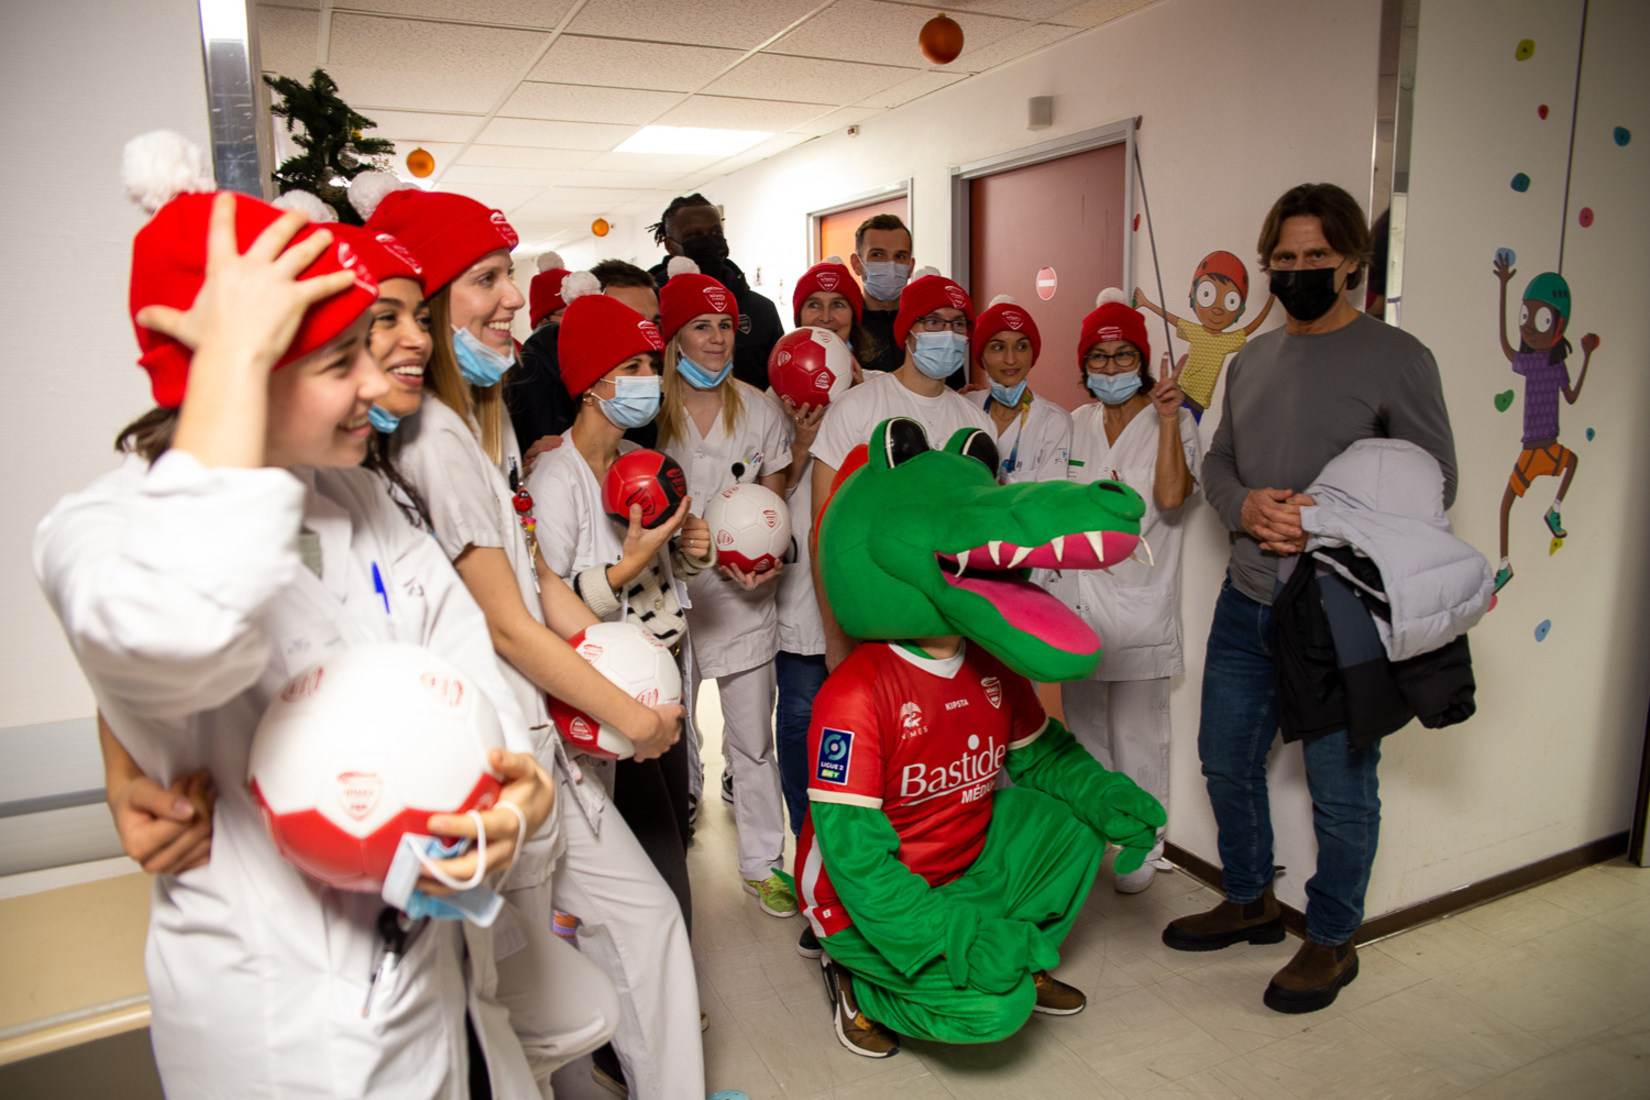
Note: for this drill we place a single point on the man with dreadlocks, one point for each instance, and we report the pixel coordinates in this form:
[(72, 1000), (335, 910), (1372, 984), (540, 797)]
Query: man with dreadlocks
[(691, 226)]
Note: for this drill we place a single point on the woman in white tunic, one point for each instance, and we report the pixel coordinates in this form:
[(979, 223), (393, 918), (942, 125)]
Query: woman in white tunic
[(629, 922), (610, 363), (182, 585), (723, 431), (1033, 433), (1136, 433)]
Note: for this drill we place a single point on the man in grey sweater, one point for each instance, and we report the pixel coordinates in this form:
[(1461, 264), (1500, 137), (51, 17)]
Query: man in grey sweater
[(1296, 398)]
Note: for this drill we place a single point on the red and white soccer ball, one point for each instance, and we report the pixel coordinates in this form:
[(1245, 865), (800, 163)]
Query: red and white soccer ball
[(631, 658), (751, 526), (651, 479), (363, 747), (810, 366)]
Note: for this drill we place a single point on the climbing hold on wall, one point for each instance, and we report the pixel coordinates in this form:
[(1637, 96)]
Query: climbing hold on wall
[(1541, 110), (1585, 217), (1589, 435), (1506, 256), (1622, 135), (1525, 51), (1521, 182), (1503, 401), (1554, 546), (1542, 629)]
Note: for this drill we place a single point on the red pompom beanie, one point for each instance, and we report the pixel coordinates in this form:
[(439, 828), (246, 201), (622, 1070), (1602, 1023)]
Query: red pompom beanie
[(386, 257), (688, 294), (1113, 319), (828, 275), (446, 232), (598, 333), (1004, 314), (923, 296), (169, 267), (544, 292)]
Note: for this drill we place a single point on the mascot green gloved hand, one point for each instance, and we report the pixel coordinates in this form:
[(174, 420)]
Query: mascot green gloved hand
[(941, 901)]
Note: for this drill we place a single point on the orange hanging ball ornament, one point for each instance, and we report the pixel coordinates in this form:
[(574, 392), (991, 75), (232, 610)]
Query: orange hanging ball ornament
[(941, 40), (420, 163), (600, 227)]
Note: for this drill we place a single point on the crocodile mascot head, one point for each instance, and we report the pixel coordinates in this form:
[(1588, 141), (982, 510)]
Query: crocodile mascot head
[(921, 543)]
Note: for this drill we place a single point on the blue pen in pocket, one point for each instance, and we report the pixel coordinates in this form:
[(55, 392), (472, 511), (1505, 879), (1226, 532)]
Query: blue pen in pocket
[(378, 587)]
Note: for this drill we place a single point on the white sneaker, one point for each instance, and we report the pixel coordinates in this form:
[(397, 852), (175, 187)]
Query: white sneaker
[(1136, 882)]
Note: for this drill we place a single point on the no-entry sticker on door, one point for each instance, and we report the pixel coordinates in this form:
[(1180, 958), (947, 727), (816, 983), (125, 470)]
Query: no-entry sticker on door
[(1046, 282)]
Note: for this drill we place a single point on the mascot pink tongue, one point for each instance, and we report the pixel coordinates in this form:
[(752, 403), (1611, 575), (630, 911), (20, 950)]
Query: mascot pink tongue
[(941, 901)]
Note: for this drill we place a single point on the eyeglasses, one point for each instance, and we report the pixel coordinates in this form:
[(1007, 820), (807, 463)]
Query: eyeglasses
[(932, 323), (1123, 358)]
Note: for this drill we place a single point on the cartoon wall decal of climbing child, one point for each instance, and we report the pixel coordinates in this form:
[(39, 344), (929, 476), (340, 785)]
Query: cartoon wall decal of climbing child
[(1541, 358), (1220, 289)]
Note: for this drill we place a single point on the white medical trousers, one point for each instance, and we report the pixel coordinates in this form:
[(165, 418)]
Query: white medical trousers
[(1125, 725), (747, 742)]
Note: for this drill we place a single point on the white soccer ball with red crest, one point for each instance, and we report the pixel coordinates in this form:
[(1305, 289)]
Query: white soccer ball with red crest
[(638, 663), (810, 366), (751, 527), (363, 747)]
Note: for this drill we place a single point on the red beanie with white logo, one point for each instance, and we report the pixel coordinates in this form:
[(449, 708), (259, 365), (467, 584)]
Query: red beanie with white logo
[(689, 294), (544, 292), (1004, 314), (923, 295), (598, 333), (1113, 319), (166, 174), (386, 257), (828, 275), (446, 232)]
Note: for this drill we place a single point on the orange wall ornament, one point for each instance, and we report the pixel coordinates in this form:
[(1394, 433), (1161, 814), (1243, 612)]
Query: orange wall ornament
[(940, 40)]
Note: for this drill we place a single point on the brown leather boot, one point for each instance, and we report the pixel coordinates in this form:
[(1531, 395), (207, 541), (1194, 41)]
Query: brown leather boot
[(1258, 921), (1056, 998), (1313, 977)]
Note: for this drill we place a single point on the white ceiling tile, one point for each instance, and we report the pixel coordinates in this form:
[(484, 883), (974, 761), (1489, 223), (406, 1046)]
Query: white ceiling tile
[(443, 152), (286, 41), (776, 144), (836, 120), (617, 63), (416, 65), (419, 126), (554, 135), (919, 85), (498, 196), (739, 23), (583, 103), (307, 5), (1095, 12), (806, 79), (516, 156), (456, 174), (885, 34), (725, 113), (651, 162), (554, 206), (1033, 38), (591, 177), (1013, 9), (511, 13)]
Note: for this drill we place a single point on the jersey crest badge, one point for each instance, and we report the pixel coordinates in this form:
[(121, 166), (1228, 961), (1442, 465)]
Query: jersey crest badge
[(993, 689), (910, 721), (835, 750)]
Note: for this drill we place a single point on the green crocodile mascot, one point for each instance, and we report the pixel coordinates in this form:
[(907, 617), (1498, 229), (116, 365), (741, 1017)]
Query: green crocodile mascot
[(939, 901)]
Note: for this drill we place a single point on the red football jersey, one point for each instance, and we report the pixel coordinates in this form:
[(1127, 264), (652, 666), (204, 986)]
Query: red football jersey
[(922, 740)]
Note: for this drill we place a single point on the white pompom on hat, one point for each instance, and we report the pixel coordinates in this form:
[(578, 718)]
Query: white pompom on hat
[(550, 261), (1111, 294), (307, 204), (368, 189), (680, 265), (1113, 318), (1002, 300), (157, 167), (922, 272), (578, 284)]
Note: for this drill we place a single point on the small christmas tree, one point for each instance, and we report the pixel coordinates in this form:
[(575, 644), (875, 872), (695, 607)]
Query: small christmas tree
[(333, 147)]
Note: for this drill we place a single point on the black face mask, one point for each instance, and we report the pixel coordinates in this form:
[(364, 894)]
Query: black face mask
[(708, 251), (1306, 295)]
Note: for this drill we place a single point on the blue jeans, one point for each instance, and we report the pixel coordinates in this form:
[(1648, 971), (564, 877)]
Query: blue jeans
[(1240, 719), (800, 678)]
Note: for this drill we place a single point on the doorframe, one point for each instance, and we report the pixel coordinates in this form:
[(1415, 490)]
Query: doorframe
[(876, 194), (1121, 131)]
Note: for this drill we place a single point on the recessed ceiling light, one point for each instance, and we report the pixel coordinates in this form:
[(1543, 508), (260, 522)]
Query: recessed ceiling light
[(692, 141)]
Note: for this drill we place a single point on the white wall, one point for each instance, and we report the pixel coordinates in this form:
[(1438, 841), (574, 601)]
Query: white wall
[(79, 78), (1238, 104)]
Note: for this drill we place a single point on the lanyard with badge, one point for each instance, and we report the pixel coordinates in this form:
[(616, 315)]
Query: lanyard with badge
[(1012, 462)]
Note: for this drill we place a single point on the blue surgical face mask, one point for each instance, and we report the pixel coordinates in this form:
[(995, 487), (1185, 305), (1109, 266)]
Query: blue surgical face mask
[(382, 421), (885, 279), (700, 378), (939, 355), (476, 902), (635, 401), (1113, 389), (1010, 396), (479, 364)]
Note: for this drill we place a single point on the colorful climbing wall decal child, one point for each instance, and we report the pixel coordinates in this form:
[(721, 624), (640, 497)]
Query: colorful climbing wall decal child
[(1220, 289), (1541, 357)]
